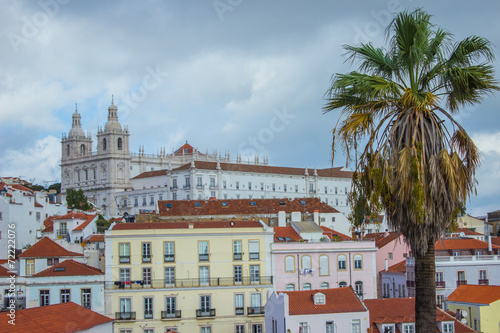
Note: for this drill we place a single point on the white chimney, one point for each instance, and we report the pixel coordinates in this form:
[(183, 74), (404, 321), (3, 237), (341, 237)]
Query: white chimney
[(386, 265), (281, 219), (489, 244)]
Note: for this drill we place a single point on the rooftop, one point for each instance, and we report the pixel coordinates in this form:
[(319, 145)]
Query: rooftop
[(69, 268), (400, 267), (338, 300), (382, 238), (64, 317), (47, 248), (186, 225), (462, 244), (468, 293)]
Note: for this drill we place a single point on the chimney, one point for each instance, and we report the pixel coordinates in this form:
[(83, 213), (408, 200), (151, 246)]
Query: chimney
[(282, 219), (316, 217), (386, 265), (386, 233), (489, 244), (191, 226)]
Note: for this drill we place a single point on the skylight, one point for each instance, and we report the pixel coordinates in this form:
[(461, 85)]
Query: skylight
[(252, 203), (224, 204), (169, 205), (197, 204), (303, 202), (282, 203), (59, 269)]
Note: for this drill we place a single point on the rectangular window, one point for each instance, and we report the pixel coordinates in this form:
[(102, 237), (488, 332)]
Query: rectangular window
[(254, 249), (206, 329), (238, 274), (440, 301), (151, 201), (170, 308), (296, 188), (237, 185), (136, 202), (212, 182), (188, 182), (30, 266), (148, 308), (52, 261), (44, 297), (146, 276), (388, 328), (144, 201), (237, 250), (174, 196), (240, 328), (336, 191), (160, 197), (125, 308), (254, 274), (205, 303), (356, 326), (342, 262), (169, 251), (448, 327), (249, 185), (204, 272), (483, 278), (389, 255), (304, 327), (65, 295), (239, 307), (86, 298), (169, 276), (408, 328), (256, 328), (124, 253), (262, 186), (224, 184), (125, 275), (146, 252), (330, 327), (212, 194), (203, 250), (38, 216), (174, 183), (199, 182)]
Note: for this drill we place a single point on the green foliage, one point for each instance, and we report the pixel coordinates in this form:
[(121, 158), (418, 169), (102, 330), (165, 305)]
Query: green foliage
[(102, 224), (36, 187), (55, 186), (77, 200)]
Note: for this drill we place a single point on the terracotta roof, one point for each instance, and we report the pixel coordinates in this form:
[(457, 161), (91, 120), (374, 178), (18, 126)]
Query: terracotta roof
[(469, 293), (49, 224), (332, 233), (462, 244), (37, 204), (338, 300), (241, 206), (63, 317), (4, 272), (402, 310), (253, 168), (87, 218), (190, 150), (96, 238), (381, 239), (400, 267), (86, 223), (468, 232), (46, 247), (185, 225), (69, 268), (285, 232), (495, 240)]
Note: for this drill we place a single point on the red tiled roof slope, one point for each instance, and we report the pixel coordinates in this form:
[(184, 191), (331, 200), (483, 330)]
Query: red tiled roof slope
[(468, 232), (241, 206), (381, 239), (400, 267), (71, 268), (96, 238), (46, 247), (286, 232), (480, 294), (462, 244), (4, 272), (185, 225), (332, 233), (338, 300), (64, 317), (495, 240)]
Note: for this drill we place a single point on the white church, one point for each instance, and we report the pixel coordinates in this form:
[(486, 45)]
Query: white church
[(120, 183)]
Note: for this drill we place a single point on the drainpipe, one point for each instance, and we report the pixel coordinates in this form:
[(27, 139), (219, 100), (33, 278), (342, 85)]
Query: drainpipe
[(298, 272), (350, 271)]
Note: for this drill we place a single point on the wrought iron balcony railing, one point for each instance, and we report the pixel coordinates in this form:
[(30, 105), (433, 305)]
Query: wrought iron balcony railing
[(255, 310), (204, 313), (175, 314), (440, 284), (125, 315)]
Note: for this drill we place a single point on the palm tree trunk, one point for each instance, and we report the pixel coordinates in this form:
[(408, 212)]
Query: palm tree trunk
[(425, 297)]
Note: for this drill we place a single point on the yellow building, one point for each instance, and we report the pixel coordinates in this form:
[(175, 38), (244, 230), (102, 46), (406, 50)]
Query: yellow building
[(479, 305), (189, 276)]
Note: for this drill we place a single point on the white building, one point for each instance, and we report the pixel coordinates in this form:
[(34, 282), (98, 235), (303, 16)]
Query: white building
[(326, 310), (22, 212), (120, 182)]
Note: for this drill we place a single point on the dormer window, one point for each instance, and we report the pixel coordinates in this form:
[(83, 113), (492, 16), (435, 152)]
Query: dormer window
[(388, 328), (319, 299)]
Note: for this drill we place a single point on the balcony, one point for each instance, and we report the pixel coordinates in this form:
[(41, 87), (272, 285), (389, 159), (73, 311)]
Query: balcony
[(239, 311), (254, 255), (410, 284), (205, 313), (191, 283), (146, 258), (237, 256), (187, 187), (255, 310), (169, 257), (483, 282), (175, 314), (124, 259), (124, 315), (61, 232), (203, 257), (459, 282), (440, 284), (148, 315)]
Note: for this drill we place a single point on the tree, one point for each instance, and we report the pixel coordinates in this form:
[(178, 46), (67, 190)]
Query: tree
[(102, 224), (418, 162), (55, 186), (77, 200)]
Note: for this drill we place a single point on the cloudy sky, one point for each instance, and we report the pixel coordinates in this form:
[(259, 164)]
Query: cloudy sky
[(238, 75)]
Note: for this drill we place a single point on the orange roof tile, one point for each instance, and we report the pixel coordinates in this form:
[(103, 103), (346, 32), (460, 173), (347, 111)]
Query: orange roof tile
[(69, 268), (381, 239), (86, 223), (338, 300), (185, 225), (468, 293), (64, 317), (495, 240), (332, 233), (286, 232), (252, 168), (468, 232), (96, 238), (462, 244), (46, 247), (400, 267), (4, 272), (241, 206), (37, 204)]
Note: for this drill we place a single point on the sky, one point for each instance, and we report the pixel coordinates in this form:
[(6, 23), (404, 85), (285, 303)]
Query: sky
[(242, 76)]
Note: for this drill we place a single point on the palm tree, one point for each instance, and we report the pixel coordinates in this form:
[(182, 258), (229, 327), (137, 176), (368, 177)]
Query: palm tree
[(418, 163)]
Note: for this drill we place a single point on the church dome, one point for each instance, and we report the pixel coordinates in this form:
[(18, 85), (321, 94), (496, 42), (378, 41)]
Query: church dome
[(76, 130), (112, 125)]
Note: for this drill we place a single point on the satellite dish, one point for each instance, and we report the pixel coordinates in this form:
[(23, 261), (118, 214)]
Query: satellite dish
[(464, 314), (464, 321), (462, 234)]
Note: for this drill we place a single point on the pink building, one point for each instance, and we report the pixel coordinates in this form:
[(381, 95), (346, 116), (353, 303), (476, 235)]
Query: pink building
[(391, 249), (307, 257)]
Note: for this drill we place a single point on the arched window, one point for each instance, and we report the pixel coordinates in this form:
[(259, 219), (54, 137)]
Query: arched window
[(342, 262), (120, 144), (323, 265), (358, 288), (324, 285), (67, 149), (306, 262), (306, 286), (342, 284), (358, 261), (104, 144), (289, 264), (290, 287), (82, 149)]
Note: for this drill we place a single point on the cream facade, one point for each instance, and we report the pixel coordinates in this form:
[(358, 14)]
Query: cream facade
[(191, 277)]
